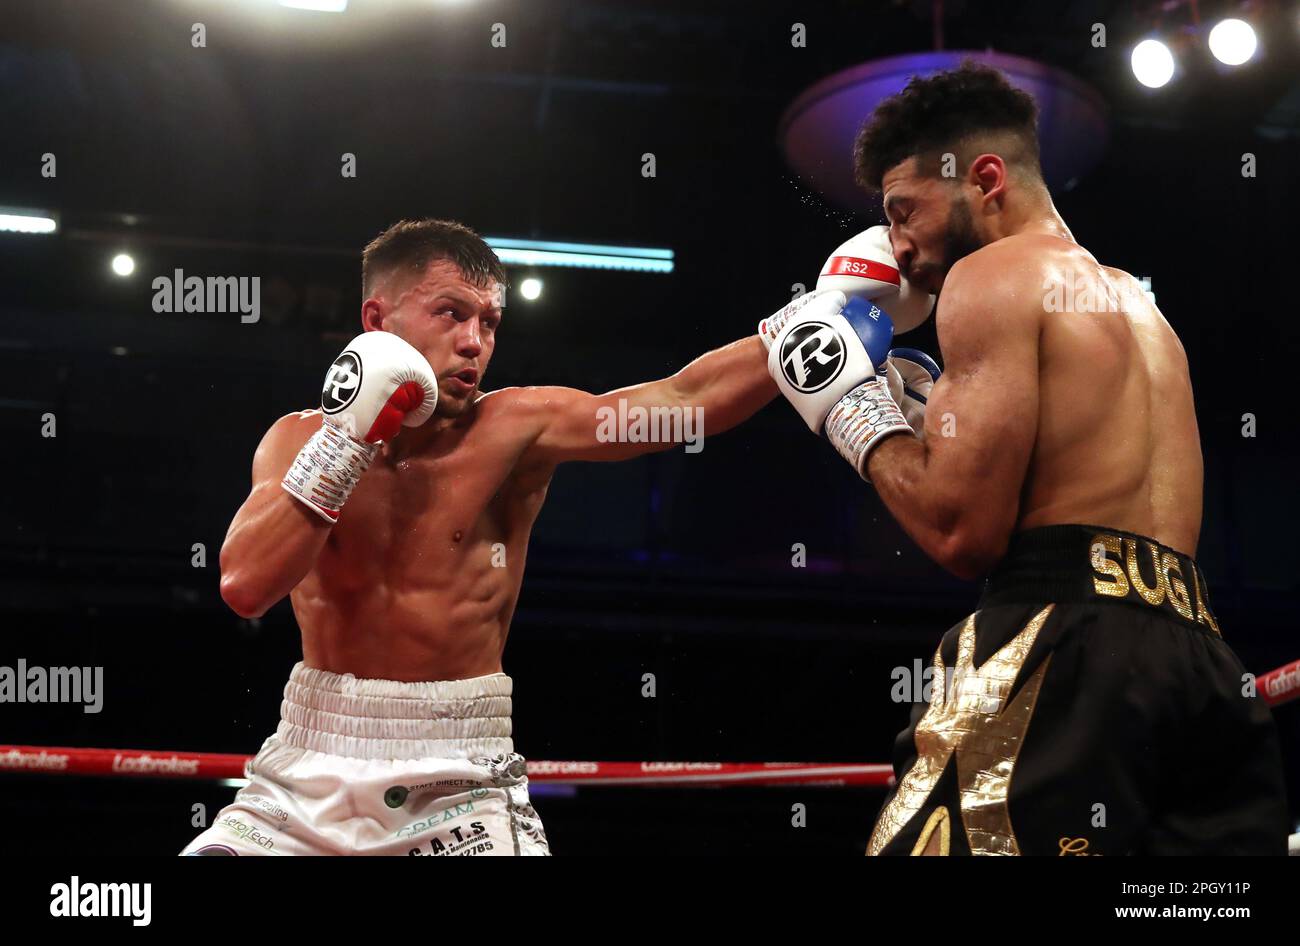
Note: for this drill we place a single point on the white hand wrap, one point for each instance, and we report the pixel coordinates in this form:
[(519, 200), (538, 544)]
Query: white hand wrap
[(862, 419), (327, 469)]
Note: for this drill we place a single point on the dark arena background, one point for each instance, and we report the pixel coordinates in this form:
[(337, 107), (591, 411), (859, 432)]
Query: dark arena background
[(661, 176)]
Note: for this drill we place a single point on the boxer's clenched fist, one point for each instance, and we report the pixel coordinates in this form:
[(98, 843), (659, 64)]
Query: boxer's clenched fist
[(912, 374), (377, 385), (829, 360), (770, 327), (863, 267)]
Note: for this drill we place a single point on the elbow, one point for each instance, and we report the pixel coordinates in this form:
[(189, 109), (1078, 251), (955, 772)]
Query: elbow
[(241, 596), (969, 554)]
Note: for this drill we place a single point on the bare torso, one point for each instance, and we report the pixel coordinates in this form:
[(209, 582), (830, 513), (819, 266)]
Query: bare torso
[(1117, 441), (419, 578)]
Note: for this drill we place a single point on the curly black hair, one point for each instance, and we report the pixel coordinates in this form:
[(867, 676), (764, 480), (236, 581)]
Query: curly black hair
[(940, 113)]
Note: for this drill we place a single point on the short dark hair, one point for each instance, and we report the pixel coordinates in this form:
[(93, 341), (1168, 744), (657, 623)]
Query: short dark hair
[(412, 245), (937, 113)]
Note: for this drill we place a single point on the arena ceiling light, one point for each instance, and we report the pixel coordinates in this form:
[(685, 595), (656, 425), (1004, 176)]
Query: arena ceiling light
[(316, 6), (1153, 63), (15, 220), (1233, 41), (123, 264), (581, 255), (531, 288)]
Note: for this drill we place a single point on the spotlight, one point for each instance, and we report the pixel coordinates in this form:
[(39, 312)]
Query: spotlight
[(514, 252), (316, 6), (23, 221), (531, 288), (1232, 41), (1153, 63), (123, 264)]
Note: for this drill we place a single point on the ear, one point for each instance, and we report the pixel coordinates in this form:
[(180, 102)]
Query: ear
[(988, 172), (372, 315)]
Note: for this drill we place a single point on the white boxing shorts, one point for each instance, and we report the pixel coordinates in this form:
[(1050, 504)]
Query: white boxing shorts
[(382, 767)]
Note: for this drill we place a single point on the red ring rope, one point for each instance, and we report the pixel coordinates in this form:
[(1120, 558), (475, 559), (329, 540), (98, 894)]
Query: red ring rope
[(1276, 687), (64, 760)]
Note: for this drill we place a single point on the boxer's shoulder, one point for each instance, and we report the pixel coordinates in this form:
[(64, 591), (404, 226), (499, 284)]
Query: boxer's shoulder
[(309, 418), (533, 401), (999, 284), (1015, 260), (513, 402), (282, 441), (519, 414), (296, 426)]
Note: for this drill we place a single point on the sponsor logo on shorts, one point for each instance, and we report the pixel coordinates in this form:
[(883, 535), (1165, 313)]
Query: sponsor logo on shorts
[(266, 806), (445, 816), (246, 832), (1074, 847), (457, 842)]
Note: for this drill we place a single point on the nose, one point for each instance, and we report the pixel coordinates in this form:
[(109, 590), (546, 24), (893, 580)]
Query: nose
[(469, 343), (904, 251)]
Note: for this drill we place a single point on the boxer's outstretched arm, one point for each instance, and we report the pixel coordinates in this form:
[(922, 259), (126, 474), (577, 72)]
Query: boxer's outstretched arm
[(274, 539), (957, 491), (719, 389)]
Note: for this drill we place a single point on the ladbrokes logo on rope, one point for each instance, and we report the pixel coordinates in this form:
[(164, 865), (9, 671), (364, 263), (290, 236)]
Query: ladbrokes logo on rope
[(155, 765), (38, 761), (1283, 682)]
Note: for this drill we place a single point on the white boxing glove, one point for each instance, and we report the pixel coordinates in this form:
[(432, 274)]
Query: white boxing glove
[(770, 327), (376, 386), (825, 363), (863, 267)]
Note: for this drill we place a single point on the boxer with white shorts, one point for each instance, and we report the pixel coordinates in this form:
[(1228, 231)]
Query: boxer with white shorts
[(383, 767), (396, 519)]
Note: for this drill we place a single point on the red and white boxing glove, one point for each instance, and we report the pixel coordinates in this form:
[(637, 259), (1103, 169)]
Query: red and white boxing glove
[(376, 386), (863, 267)]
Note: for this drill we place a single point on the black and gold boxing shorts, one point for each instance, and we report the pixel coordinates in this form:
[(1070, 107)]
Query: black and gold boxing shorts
[(1090, 706)]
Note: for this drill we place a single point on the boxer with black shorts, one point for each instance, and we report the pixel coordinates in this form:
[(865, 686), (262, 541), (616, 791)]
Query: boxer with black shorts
[(1079, 708)]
